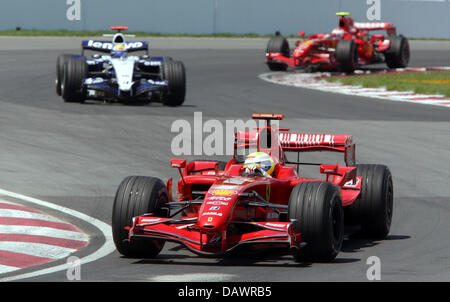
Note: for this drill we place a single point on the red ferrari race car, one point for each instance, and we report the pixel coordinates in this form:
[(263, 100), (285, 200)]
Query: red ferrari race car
[(349, 46), (259, 203)]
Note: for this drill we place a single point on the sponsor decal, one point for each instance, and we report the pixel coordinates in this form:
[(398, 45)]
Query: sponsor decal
[(217, 203), (223, 192), (351, 184), (225, 187), (238, 180), (90, 81), (276, 225), (110, 45), (147, 220), (305, 139), (212, 214), (221, 198), (152, 63), (215, 208), (157, 82)]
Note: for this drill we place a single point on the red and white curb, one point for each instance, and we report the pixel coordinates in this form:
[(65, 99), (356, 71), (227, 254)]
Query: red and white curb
[(29, 237), (316, 81)]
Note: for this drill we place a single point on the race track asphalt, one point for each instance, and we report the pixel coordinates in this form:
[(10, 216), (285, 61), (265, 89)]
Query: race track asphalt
[(76, 155)]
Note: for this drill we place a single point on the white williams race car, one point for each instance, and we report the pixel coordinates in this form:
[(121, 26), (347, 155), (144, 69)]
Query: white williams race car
[(111, 74)]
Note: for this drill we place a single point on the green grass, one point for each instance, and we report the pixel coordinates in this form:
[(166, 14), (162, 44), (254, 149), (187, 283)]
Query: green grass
[(67, 33), (429, 82)]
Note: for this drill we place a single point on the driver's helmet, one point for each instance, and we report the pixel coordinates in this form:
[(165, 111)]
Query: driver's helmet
[(119, 50), (259, 163)]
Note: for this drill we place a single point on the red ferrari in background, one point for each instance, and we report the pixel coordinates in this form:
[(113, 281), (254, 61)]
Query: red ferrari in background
[(347, 47), (219, 209)]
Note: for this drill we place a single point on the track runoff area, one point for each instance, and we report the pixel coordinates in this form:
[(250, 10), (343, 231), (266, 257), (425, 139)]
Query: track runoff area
[(318, 81)]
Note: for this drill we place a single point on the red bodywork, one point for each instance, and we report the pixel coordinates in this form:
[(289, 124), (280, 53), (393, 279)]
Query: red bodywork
[(223, 210), (319, 50)]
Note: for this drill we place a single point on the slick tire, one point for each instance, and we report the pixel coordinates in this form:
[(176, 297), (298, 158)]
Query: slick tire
[(397, 56), (347, 56), (60, 62), (319, 217), (374, 207), (174, 72), (135, 196), (75, 71), (281, 45)]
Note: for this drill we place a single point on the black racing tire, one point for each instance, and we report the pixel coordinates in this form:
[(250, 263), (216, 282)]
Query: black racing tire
[(374, 207), (60, 62), (347, 56), (319, 217), (397, 56), (75, 71), (138, 195), (174, 72), (281, 45)]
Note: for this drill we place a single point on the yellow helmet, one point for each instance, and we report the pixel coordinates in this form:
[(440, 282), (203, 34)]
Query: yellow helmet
[(261, 161)]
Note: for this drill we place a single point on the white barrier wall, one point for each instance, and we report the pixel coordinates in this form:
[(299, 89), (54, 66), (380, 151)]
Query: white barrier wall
[(413, 18)]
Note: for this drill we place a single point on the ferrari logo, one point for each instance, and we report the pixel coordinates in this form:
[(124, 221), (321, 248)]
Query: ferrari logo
[(210, 219)]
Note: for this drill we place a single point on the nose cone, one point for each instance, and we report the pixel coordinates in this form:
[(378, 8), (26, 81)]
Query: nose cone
[(209, 222), (216, 210)]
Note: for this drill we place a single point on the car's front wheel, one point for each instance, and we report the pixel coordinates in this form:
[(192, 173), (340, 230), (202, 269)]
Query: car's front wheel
[(75, 71), (347, 55), (280, 45), (60, 62), (316, 209), (138, 195), (174, 72)]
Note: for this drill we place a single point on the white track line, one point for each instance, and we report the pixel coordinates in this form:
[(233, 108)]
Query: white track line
[(37, 249), (29, 215), (7, 269), (194, 277), (43, 231), (105, 249)]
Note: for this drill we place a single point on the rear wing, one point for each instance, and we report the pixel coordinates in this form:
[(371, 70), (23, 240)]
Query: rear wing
[(390, 29), (107, 46), (305, 142)]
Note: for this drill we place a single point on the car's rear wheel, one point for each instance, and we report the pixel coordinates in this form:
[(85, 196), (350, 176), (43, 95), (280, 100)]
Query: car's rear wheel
[(174, 72), (347, 56), (138, 195), (280, 45), (60, 62), (397, 56), (374, 208), (316, 208), (75, 71)]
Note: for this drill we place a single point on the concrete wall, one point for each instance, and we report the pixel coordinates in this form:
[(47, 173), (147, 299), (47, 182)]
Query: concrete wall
[(413, 18)]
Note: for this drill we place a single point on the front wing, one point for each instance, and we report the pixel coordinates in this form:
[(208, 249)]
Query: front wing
[(185, 232), (104, 88)]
